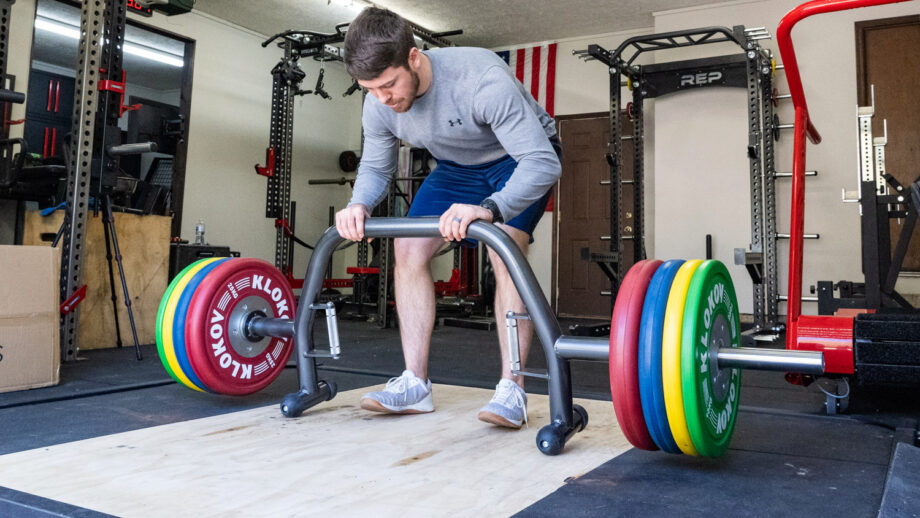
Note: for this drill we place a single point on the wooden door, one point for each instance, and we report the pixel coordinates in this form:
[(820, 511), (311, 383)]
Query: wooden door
[(888, 56), (583, 214)]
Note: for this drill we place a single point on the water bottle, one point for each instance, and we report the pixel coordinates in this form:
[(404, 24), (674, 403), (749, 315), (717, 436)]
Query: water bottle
[(199, 232)]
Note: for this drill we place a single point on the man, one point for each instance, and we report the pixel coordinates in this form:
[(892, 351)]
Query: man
[(497, 154)]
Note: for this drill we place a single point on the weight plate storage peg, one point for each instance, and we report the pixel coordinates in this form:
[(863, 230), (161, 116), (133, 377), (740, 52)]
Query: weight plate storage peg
[(624, 353), (222, 352), (711, 321)]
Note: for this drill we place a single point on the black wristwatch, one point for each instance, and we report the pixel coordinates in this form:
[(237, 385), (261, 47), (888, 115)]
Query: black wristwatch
[(492, 206)]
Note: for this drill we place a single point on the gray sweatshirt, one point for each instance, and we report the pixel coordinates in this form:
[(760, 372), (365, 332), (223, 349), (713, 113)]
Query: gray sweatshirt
[(475, 111)]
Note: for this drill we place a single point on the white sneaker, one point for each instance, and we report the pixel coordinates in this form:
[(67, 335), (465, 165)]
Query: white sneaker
[(407, 394), (508, 406)]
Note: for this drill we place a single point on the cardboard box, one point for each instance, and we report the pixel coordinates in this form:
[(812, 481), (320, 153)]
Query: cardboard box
[(30, 354)]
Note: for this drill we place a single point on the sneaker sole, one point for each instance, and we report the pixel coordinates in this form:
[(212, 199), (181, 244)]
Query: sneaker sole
[(375, 406), (497, 420)]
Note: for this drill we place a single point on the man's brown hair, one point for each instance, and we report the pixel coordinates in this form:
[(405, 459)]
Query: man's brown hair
[(377, 39)]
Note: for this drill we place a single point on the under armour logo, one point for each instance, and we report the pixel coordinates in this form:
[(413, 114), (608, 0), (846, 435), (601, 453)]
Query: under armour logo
[(457, 122)]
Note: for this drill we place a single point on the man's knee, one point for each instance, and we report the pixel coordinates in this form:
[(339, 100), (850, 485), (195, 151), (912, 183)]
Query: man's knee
[(413, 253)]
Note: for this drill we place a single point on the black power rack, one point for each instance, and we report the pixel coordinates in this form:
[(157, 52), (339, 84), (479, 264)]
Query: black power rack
[(286, 80), (751, 69)]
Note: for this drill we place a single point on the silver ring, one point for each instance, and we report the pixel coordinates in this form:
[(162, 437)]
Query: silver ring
[(458, 220)]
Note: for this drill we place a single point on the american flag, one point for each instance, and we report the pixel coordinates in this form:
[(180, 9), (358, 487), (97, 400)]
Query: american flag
[(535, 68)]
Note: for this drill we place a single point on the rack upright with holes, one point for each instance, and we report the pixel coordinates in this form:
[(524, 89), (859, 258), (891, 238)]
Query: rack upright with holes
[(286, 81), (97, 108)]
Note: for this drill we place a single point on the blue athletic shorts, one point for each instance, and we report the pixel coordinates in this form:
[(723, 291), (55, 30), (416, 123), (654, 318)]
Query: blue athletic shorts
[(451, 183)]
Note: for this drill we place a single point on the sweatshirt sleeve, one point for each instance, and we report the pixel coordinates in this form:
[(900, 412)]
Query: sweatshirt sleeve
[(499, 102), (378, 159)]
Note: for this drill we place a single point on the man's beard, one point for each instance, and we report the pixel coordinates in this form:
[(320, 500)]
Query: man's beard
[(408, 101)]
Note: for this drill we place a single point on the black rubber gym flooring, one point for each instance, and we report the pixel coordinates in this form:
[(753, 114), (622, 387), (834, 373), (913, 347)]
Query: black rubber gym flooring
[(786, 457)]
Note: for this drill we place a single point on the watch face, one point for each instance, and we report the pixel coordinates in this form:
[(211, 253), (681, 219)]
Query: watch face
[(493, 207)]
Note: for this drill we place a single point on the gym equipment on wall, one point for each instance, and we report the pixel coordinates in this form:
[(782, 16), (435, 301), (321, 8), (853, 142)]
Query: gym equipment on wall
[(878, 206), (228, 316), (751, 69)]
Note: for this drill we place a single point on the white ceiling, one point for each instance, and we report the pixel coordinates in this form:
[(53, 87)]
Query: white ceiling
[(485, 23)]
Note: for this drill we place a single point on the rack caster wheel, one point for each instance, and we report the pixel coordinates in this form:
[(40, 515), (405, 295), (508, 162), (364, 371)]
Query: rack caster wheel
[(295, 403), (551, 439)]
